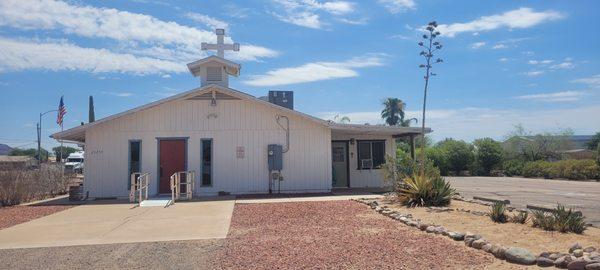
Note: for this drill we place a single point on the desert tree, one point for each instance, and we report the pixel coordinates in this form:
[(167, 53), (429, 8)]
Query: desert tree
[(429, 45)]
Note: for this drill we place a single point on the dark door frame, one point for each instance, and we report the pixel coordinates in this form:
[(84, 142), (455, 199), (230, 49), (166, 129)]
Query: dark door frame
[(347, 161), (185, 154)]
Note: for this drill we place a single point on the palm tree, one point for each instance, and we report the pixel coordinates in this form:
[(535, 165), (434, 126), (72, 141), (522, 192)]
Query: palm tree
[(341, 119), (406, 123), (393, 111)]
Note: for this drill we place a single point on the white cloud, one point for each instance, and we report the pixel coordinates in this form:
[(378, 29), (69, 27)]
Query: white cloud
[(593, 81), (118, 94), (503, 59), (122, 26), (20, 55), (307, 13), (563, 65), (212, 23), (499, 46), (477, 45), (396, 6), (533, 73), (540, 62), (514, 19), (472, 123), (316, 71), (554, 97), (360, 21)]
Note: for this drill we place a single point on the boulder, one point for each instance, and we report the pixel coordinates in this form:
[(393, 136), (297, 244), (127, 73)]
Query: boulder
[(469, 241), (520, 256), (593, 266), (456, 236), (589, 249), (430, 229), (544, 254), (574, 247), (423, 226), (563, 261), (554, 256), (498, 251), (544, 262), (578, 264), (479, 243), (487, 248), (577, 253)]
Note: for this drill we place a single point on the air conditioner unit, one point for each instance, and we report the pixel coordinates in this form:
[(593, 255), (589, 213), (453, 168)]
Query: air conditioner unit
[(366, 164)]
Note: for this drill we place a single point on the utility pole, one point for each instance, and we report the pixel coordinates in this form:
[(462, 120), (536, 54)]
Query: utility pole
[(40, 138)]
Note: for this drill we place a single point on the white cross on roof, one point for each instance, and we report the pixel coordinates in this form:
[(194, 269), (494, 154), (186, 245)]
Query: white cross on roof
[(220, 47)]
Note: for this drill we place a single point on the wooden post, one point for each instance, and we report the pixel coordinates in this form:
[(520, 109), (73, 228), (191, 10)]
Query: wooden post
[(412, 146)]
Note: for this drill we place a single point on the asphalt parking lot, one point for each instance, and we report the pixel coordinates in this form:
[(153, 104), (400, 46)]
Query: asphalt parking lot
[(583, 196)]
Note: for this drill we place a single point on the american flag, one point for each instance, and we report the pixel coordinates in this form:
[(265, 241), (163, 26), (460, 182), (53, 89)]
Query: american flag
[(62, 110)]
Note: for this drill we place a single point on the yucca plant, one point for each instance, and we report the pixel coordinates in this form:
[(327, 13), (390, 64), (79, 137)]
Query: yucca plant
[(520, 217), (497, 212), (568, 220), (542, 220), (425, 190)]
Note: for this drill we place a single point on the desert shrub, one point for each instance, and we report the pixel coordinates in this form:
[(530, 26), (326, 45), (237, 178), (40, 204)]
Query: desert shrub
[(498, 212), (513, 167), (570, 169), (419, 190), (520, 217), (439, 158), (395, 170), (18, 186), (560, 219), (459, 154), (488, 154)]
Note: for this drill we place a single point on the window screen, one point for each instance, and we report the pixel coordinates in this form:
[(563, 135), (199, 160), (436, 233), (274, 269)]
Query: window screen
[(371, 154)]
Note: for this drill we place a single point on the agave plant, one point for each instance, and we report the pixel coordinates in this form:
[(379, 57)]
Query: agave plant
[(568, 220), (497, 212), (520, 217), (424, 190)]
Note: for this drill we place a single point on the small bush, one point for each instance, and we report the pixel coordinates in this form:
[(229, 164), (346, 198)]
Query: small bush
[(418, 190), (585, 169), (560, 219), (497, 212), (513, 167), (18, 186), (520, 217)]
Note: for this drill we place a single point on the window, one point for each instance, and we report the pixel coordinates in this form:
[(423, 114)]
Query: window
[(371, 154), (206, 166), (135, 150)]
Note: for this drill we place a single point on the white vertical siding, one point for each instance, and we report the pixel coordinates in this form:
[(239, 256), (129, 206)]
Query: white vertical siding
[(366, 178), (307, 165)]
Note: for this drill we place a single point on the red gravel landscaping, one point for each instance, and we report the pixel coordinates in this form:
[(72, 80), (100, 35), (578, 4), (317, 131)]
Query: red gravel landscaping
[(13, 215), (335, 234)]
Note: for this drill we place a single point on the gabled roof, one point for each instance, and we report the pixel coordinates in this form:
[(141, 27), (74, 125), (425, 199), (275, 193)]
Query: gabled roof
[(77, 134), (231, 67)]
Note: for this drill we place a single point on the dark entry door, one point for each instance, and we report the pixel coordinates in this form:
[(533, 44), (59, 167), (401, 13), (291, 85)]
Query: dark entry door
[(171, 160), (339, 154)]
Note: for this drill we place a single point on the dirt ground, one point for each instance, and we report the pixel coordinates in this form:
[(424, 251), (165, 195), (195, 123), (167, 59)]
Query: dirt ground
[(337, 235), (195, 254), (507, 234), (13, 215)]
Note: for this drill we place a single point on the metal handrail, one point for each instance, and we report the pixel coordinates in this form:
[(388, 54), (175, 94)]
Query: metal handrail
[(139, 183), (176, 183)]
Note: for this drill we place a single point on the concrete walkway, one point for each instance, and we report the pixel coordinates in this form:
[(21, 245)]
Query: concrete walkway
[(120, 223), (583, 196)]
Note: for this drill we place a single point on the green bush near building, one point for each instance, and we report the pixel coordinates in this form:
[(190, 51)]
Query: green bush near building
[(572, 169)]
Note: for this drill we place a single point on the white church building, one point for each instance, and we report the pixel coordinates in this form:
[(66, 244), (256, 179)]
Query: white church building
[(234, 142)]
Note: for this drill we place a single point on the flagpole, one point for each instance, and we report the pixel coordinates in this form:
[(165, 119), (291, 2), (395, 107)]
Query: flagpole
[(61, 145)]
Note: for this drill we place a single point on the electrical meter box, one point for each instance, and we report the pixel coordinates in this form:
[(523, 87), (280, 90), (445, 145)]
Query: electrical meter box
[(275, 156)]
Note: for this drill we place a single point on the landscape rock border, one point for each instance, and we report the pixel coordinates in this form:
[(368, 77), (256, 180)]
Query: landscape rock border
[(578, 257)]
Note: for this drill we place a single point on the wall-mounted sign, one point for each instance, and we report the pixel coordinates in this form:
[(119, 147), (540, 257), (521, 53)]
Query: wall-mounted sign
[(240, 152)]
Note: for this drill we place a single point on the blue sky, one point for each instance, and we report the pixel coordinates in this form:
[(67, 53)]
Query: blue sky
[(505, 62)]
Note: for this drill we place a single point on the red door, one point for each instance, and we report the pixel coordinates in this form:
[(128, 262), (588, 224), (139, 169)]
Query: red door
[(171, 160)]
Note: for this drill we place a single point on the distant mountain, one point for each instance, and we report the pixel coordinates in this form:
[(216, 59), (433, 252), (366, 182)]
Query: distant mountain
[(5, 149)]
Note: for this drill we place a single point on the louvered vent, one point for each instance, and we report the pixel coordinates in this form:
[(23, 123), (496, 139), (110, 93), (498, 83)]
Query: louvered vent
[(214, 74)]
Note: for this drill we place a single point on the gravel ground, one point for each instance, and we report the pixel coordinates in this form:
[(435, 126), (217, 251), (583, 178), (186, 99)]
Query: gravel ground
[(336, 234), (196, 254), (13, 215)]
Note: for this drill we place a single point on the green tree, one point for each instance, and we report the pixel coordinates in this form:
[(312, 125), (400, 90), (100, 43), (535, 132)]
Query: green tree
[(29, 152), (341, 119), (488, 154), (393, 111), (593, 144), (459, 153), (66, 151)]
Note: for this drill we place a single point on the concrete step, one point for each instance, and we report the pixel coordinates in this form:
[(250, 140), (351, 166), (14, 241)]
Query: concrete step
[(156, 202)]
